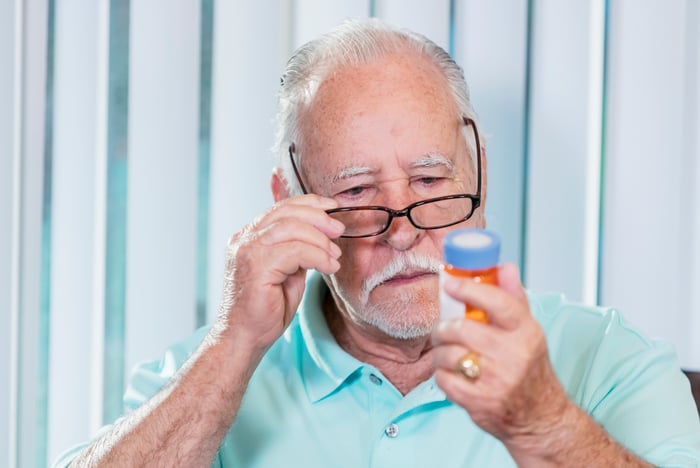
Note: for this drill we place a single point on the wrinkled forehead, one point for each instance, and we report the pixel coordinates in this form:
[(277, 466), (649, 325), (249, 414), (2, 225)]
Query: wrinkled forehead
[(346, 91), (397, 107)]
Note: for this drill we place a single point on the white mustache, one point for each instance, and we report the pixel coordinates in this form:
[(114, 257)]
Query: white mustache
[(405, 263)]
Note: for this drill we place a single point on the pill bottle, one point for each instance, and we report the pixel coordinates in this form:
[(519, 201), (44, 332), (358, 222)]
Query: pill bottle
[(468, 253)]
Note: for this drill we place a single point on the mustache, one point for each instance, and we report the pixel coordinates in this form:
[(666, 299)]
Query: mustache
[(404, 263)]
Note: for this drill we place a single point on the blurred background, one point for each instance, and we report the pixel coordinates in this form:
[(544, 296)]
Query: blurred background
[(135, 136)]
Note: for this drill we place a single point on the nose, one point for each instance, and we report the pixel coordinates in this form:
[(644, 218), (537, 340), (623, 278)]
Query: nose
[(402, 234)]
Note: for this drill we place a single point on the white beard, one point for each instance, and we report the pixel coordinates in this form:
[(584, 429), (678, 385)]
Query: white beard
[(404, 316)]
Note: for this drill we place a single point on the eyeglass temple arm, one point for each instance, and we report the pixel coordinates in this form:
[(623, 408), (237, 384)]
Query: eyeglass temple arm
[(296, 171), (468, 121)]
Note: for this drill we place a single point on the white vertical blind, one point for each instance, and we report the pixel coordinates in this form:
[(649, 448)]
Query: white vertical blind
[(162, 183), (649, 230), (30, 390), (77, 154), (99, 245), (692, 140), (250, 46), (490, 42), (429, 18), (564, 148), (313, 17), (9, 209)]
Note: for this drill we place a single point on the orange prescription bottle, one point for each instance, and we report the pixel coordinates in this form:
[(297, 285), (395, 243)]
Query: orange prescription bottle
[(468, 253)]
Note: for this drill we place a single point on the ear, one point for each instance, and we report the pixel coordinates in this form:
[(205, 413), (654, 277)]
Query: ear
[(278, 185)]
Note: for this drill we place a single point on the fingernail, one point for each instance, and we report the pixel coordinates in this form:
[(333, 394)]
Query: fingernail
[(452, 285), (328, 202), (338, 226), (443, 325), (447, 324), (335, 250)]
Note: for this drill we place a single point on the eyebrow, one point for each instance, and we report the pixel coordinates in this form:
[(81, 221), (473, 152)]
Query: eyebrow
[(427, 161), (433, 160), (350, 172)]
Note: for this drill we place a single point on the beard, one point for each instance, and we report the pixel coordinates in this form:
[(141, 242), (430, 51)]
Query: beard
[(407, 313)]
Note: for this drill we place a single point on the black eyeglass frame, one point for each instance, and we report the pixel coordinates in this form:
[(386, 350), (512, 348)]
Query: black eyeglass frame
[(406, 212)]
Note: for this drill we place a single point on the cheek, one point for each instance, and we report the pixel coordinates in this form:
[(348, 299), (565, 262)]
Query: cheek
[(347, 267), (436, 237), (354, 262)]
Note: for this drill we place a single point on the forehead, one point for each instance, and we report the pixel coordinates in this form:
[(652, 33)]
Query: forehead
[(396, 108)]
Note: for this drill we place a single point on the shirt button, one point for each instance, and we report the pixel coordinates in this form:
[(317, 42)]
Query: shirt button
[(375, 380), (392, 430)]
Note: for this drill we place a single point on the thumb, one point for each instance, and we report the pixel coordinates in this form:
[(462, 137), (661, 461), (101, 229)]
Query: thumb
[(509, 280)]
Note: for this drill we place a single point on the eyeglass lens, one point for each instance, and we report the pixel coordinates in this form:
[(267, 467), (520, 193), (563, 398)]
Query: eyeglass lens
[(430, 215)]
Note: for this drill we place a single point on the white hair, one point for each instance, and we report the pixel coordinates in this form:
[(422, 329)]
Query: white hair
[(353, 42)]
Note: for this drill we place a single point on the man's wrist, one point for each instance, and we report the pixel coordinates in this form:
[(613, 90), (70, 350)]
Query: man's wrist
[(575, 440), (238, 351)]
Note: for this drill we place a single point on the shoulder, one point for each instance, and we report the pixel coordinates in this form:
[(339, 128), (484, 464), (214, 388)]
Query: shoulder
[(573, 325), (600, 357), (594, 349), (622, 378)]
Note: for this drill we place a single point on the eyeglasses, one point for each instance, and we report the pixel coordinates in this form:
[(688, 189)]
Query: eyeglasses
[(432, 213)]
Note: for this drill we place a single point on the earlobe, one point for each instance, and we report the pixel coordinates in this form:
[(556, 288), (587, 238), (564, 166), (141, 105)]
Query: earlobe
[(278, 185)]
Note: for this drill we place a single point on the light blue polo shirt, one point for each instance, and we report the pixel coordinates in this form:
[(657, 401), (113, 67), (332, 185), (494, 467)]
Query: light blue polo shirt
[(310, 404)]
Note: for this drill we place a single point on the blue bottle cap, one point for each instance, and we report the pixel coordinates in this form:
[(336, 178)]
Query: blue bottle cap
[(472, 249)]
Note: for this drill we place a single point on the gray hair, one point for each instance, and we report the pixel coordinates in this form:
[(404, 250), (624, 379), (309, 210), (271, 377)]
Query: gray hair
[(352, 43)]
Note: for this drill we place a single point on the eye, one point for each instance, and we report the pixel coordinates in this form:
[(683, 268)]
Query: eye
[(354, 191), (430, 180)]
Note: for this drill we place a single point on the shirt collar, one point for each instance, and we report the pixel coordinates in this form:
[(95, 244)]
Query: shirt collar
[(327, 366)]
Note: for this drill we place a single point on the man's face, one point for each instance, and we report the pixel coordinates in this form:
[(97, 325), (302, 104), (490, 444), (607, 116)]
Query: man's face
[(388, 133)]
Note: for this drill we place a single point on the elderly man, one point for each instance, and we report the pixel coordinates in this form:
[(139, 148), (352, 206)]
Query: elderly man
[(349, 366)]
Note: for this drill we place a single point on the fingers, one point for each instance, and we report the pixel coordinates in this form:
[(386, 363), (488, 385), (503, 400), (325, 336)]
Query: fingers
[(447, 356), (449, 378), (296, 239), (312, 200), (505, 396), (509, 280), (294, 234), (515, 388), (266, 266), (308, 209), (283, 259), (511, 331), (458, 331), (506, 304)]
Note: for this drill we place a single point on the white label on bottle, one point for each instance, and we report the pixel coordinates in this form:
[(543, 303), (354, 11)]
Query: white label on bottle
[(449, 307)]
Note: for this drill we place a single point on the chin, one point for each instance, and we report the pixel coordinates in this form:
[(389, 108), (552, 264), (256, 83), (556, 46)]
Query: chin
[(402, 319), (421, 295)]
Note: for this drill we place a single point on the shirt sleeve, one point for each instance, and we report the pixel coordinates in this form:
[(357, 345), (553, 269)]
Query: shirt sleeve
[(630, 384), (148, 378), (145, 381), (644, 401)]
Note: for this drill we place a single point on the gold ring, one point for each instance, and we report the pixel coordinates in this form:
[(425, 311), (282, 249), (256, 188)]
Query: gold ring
[(469, 366)]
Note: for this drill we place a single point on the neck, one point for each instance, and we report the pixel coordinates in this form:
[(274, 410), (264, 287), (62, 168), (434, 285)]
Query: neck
[(406, 363)]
